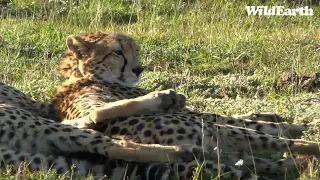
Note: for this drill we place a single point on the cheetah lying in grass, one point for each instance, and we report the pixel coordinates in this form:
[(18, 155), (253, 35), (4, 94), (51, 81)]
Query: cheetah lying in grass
[(30, 140), (102, 70)]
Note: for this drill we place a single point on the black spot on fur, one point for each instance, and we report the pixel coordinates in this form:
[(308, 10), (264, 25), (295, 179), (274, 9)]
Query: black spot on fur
[(54, 129), (230, 122), (181, 168), (25, 135), (21, 158), (20, 124), (180, 138), (96, 142), (274, 145), (279, 163), (37, 160), (234, 133), (115, 130), (87, 131), (259, 132), (73, 138), (37, 123), (170, 131), (113, 122), (6, 156), (267, 169), (181, 131), (190, 173), (78, 144), (133, 122), (199, 141), (32, 126), (273, 125), (123, 131), (147, 133), (244, 131), (259, 127), (66, 130), (61, 138), (11, 135), (47, 131), (175, 121), (140, 127), (170, 141), (186, 124), (263, 138), (250, 138), (60, 170)]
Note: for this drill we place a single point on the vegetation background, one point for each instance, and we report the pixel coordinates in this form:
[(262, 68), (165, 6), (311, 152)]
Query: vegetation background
[(223, 60)]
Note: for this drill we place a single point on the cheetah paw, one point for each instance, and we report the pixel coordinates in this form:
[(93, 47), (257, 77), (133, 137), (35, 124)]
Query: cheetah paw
[(166, 101)]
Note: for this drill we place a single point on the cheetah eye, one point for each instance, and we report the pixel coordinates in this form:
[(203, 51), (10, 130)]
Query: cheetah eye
[(119, 52)]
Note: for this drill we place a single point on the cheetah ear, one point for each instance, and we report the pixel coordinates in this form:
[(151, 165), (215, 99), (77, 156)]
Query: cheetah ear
[(77, 46)]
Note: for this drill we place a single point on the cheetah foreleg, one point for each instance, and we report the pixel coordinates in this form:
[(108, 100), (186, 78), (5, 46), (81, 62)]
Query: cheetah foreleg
[(154, 102)]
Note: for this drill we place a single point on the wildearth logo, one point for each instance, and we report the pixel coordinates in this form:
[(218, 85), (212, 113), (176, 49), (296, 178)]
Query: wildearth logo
[(278, 11)]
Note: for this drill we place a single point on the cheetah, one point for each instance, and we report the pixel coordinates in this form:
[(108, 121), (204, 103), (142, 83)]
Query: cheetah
[(30, 140), (100, 93), (12, 96)]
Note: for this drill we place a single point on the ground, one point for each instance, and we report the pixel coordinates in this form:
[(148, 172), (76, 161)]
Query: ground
[(223, 60)]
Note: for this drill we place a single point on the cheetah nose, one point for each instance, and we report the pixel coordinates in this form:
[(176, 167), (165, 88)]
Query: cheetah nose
[(137, 70)]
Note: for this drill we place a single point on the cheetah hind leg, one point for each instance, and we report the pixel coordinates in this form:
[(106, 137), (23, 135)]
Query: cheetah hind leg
[(13, 96), (252, 168), (242, 139), (20, 160), (210, 170), (263, 166), (78, 165), (272, 128), (261, 116)]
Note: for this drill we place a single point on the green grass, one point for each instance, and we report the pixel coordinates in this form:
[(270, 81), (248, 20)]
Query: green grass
[(223, 60)]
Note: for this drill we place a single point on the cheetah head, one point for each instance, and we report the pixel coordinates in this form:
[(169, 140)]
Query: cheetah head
[(102, 57)]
